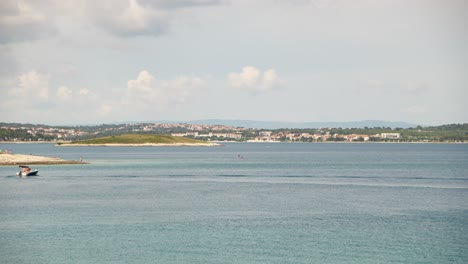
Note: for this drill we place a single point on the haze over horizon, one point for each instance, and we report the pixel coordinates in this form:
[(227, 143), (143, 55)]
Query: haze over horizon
[(111, 61)]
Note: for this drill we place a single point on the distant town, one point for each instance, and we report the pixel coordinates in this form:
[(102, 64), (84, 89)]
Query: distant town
[(14, 132)]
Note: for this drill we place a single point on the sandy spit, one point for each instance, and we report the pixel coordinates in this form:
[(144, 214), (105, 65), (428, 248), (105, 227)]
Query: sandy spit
[(21, 159)]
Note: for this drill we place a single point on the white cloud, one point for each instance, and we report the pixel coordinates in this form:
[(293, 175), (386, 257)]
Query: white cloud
[(270, 79), (31, 85), (132, 19), (143, 88), (64, 93), (83, 96), (147, 91), (40, 101), (251, 78), (137, 17)]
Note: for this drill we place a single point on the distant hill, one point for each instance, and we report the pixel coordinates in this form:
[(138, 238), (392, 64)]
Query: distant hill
[(278, 125)]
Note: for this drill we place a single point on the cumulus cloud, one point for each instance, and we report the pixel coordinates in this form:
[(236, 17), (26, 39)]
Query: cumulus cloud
[(35, 87), (31, 84), (143, 88), (21, 21), (131, 19), (64, 93), (146, 90), (252, 79), (47, 102), (68, 95)]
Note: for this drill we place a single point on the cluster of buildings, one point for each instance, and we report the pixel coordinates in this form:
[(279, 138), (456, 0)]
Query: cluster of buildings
[(201, 131), (46, 132), (210, 135), (269, 136), (191, 127), (62, 133)]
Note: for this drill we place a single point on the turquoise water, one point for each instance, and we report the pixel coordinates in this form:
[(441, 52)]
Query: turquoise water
[(278, 203)]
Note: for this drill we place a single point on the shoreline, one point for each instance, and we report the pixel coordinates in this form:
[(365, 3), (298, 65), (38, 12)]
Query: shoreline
[(23, 159), (142, 145), (219, 143)]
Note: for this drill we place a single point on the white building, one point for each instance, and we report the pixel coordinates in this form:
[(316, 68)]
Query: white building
[(266, 135), (390, 135)]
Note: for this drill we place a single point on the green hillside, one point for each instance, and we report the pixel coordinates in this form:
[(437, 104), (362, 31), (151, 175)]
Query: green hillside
[(138, 139)]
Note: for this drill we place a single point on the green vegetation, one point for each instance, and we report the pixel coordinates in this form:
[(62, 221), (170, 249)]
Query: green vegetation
[(22, 134), (139, 139), (444, 133)]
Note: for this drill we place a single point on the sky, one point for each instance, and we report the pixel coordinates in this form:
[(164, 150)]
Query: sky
[(65, 62)]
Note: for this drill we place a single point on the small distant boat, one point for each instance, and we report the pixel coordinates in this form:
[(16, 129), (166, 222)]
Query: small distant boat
[(26, 171)]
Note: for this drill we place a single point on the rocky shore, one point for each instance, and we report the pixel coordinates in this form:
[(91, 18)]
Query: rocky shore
[(21, 159)]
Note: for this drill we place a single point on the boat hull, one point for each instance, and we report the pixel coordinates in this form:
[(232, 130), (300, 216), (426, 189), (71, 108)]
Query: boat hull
[(31, 173)]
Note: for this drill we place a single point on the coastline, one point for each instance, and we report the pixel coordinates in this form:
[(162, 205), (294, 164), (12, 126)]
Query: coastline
[(142, 145), (22, 159), (219, 143)]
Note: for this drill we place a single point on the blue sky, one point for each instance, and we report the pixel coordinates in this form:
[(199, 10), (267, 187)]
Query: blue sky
[(88, 62)]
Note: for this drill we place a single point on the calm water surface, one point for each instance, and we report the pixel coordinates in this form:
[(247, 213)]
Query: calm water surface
[(240, 203)]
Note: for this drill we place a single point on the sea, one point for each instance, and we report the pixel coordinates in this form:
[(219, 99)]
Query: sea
[(239, 203)]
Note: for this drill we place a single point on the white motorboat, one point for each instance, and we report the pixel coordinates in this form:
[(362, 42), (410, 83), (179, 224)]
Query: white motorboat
[(26, 171)]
